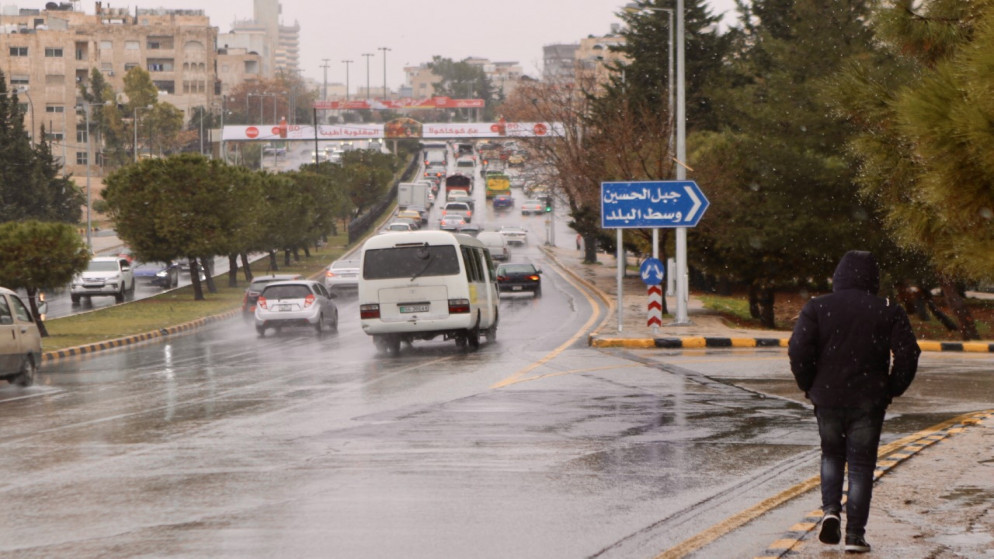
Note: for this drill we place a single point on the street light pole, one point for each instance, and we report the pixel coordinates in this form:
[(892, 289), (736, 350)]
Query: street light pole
[(89, 157), (367, 55), (324, 92), (31, 107), (346, 62), (682, 283), (384, 49)]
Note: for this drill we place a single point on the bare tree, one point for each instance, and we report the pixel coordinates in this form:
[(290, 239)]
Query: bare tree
[(604, 137)]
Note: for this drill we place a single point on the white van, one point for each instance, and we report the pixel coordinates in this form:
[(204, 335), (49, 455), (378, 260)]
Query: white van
[(424, 284)]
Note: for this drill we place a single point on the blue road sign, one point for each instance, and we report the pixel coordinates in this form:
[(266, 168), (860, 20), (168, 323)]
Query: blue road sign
[(652, 271), (645, 204)]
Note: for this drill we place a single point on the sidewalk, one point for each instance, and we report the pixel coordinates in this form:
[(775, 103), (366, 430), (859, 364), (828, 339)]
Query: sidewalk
[(933, 489)]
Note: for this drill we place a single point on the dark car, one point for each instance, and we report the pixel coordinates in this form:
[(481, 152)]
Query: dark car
[(503, 202), (514, 278), (255, 288), (161, 274)]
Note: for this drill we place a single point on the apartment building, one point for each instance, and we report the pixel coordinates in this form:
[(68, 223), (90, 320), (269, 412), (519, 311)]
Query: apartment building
[(45, 54), (277, 45)]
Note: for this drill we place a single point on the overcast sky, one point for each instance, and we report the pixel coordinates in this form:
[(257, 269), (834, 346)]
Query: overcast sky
[(500, 30)]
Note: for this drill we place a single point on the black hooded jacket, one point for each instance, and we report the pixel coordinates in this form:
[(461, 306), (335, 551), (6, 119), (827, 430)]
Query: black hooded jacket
[(841, 347)]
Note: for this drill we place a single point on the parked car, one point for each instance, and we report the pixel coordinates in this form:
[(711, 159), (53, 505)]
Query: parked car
[(255, 288), (160, 274), (515, 235), (513, 278), (295, 303), (104, 275), (20, 340), (503, 202), (532, 207), (496, 243), (342, 275)]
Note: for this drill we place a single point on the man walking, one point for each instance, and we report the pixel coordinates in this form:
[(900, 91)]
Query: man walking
[(840, 355)]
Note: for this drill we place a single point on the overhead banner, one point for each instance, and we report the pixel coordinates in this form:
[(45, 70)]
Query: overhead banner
[(401, 104), (395, 129)]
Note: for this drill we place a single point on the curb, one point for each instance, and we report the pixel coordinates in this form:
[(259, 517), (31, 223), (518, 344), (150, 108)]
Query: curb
[(703, 342), (687, 342), (59, 354), (698, 342)]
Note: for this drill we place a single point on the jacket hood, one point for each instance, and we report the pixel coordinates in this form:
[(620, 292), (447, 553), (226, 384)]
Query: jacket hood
[(857, 270)]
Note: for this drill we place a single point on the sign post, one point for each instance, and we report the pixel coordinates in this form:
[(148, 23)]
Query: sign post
[(653, 272), (646, 204)]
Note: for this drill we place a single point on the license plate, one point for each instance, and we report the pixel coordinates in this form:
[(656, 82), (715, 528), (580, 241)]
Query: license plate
[(282, 308), (413, 308), (515, 288)]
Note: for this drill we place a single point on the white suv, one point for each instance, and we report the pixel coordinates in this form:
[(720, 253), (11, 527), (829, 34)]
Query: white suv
[(104, 275)]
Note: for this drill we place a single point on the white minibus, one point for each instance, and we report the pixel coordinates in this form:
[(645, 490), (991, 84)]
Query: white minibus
[(423, 284)]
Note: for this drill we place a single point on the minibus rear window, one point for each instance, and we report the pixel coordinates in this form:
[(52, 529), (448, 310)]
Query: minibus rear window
[(410, 262)]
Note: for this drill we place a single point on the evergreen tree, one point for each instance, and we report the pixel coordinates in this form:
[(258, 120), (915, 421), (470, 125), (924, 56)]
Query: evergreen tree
[(784, 202), (462, 80), (645, 76), (38, 255), (30, 185), (924, 109)]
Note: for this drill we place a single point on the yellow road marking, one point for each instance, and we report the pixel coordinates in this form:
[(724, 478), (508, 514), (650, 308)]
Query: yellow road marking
[(594, 317)]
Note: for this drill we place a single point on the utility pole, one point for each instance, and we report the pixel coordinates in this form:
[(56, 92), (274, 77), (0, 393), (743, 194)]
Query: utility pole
[(384, 49), (346, 62), (367, 55), (324, 94)]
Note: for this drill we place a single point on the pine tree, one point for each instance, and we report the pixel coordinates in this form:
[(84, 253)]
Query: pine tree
[(923, 108), (784, 205), (30, 185)]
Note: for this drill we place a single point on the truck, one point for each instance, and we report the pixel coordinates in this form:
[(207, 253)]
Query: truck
[(413, 194), (497, 183), (458, 182)]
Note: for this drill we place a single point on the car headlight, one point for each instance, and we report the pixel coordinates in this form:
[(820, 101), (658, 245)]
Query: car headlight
[(161, 274)]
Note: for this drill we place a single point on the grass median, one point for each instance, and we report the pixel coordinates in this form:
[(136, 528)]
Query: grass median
[(177, 306)]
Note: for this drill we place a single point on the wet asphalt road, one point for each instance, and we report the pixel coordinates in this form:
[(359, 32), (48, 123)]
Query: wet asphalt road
[(220, 444)]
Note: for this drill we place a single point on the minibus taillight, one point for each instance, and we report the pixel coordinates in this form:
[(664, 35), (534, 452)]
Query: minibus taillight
[(369, 311), (458, 306), (261, 303)]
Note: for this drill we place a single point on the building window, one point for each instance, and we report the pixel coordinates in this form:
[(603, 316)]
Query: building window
[(55, 109), (81, 135), (19, 80), (18, 51), (129, 65), (55, 136), (164, 86), (53, 52), (81, 158), (131, 45), (106, 45)]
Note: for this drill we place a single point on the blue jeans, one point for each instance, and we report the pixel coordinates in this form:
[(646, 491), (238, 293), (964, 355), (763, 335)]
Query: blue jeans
[(849, 435)]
